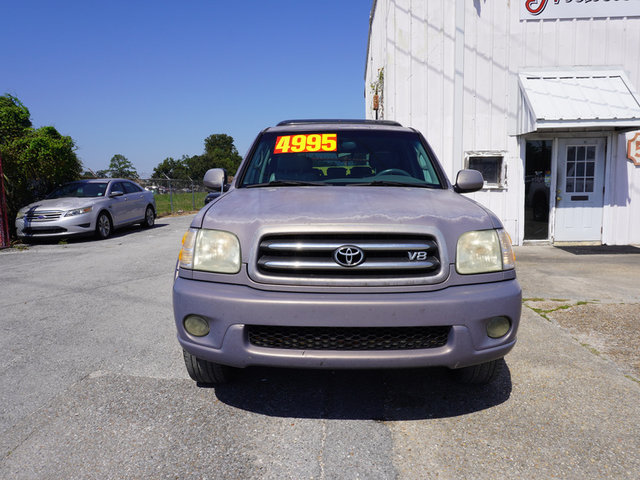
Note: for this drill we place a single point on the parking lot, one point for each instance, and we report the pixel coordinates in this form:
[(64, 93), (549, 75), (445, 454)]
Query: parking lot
[(93, 384)]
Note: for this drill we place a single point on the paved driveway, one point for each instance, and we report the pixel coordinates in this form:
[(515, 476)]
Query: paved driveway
[(92, 385)]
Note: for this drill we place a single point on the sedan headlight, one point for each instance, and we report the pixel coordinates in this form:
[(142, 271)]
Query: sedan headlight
[(484, 251), (78, 211), (210, 251), (20, 214)]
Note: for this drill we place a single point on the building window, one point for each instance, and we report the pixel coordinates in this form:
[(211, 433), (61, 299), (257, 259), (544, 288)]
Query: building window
[(490, 164)]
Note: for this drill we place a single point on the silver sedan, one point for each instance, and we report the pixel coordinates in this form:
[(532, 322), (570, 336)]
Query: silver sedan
[(87, 207)]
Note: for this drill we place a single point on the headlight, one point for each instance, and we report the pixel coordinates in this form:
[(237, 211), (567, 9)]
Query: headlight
[(508, 255), (484, 251), (78, 211), (210, 251), (21, 214)]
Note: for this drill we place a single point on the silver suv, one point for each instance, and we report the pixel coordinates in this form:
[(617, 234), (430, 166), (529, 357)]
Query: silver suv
[(341, 244)]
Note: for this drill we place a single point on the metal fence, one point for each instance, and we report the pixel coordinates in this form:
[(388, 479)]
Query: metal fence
[(175, 196)]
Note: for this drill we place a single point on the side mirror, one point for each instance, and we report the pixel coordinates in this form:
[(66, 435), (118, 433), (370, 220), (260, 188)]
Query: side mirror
[(215, 179), (468, 181), (116, 193)]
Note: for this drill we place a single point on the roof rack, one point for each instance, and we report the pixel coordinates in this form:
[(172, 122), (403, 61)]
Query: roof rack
[(343, 121)]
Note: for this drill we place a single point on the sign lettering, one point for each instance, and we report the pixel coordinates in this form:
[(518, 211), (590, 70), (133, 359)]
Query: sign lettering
[(417, 256), (313, 142), (633, 149), (539, 9)]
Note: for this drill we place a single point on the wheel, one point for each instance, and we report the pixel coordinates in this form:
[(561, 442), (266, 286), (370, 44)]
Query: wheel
[(149, 218), (397, 171), (207, 373), (103, 226), (478, 374)]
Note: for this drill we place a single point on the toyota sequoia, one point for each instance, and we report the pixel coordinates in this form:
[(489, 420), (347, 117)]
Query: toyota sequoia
[(342, 244)]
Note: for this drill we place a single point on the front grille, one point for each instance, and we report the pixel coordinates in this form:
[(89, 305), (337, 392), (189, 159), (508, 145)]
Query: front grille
[(376, 256), (348, 338), (43, 231), (43, 215)]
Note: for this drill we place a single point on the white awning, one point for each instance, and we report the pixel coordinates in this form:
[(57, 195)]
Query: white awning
[(576, 99)]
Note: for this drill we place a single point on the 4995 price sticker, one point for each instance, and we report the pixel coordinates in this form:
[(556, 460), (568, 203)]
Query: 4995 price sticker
[(313, 142)]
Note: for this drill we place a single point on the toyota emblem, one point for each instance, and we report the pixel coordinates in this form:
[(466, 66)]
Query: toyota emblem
[(348, 256)]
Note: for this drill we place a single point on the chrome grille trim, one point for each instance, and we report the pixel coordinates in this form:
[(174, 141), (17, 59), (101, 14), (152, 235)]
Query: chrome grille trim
[(47, 215), (311, 256), (331, 245), (273, 263)]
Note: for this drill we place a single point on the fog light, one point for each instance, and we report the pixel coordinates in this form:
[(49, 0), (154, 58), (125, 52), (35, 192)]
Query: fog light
[(196, 326), (498, 327)]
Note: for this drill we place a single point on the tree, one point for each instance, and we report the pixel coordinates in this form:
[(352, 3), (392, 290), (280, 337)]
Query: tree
[(35, 161), (14, 119), (220, 152), (121, 167), (174, 169)]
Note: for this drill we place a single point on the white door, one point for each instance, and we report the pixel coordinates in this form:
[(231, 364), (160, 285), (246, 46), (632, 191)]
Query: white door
[(580, 189)]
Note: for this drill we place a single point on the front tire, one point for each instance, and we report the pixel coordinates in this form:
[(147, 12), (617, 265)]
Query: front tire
[(103, 226), (478, 374), (206, 373), (149, 218)]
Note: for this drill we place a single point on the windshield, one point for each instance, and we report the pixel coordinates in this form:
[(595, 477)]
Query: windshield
[(80, 189), (347, 157)]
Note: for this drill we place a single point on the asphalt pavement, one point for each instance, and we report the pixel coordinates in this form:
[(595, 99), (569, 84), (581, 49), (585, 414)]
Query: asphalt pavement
[(92, 384)]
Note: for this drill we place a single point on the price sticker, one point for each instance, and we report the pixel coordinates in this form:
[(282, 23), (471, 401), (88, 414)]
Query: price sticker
[(313, 142)]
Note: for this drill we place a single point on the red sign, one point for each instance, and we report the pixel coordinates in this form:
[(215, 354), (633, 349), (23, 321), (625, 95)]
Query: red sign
[(633, 149), (313, 142), (552, 9)]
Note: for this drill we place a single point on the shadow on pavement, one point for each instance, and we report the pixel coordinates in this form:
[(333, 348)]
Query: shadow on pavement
[(120, 232), (383, 395)]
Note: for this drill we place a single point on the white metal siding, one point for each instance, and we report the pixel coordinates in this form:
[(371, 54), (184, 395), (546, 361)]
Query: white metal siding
[(621, 218), (414, 41)]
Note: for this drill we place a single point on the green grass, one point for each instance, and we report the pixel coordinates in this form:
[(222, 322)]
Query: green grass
[(632, 378), (181, 201)]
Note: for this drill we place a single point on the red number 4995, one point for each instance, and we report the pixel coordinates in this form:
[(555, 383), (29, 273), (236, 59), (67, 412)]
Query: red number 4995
[(313, 142)]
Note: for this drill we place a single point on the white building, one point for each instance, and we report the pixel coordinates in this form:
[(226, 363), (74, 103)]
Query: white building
[(537, 94)]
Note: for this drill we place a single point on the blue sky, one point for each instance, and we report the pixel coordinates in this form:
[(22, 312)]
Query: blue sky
[(151, 80)]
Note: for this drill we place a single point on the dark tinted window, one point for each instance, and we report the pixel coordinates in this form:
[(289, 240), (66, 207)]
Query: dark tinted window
[(117, 187), (131, 187), (80, 189), (346, 157)]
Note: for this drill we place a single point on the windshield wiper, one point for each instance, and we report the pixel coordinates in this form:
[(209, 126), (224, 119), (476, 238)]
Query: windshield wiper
[(390, 183), (287, 183)]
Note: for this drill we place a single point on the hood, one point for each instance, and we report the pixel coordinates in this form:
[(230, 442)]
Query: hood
[(63, 203), (251, 212)]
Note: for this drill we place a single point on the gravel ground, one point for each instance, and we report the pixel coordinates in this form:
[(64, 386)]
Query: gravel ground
[(610, 330), (589, 292)]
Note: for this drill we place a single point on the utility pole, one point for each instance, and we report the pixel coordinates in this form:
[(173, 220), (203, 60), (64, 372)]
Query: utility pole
[(4, 222), (193, 193), (170, 192)]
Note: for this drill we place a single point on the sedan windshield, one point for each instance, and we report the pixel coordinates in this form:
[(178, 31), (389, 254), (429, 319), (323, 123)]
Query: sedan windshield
[(344, 157), (80, 189)]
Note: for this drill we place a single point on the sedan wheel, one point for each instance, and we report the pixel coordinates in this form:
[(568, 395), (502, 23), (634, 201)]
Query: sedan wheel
[(149, 218), (103, 226)]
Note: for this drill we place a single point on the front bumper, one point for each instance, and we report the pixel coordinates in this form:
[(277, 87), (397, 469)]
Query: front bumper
[(61, 227), (230, 308)]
